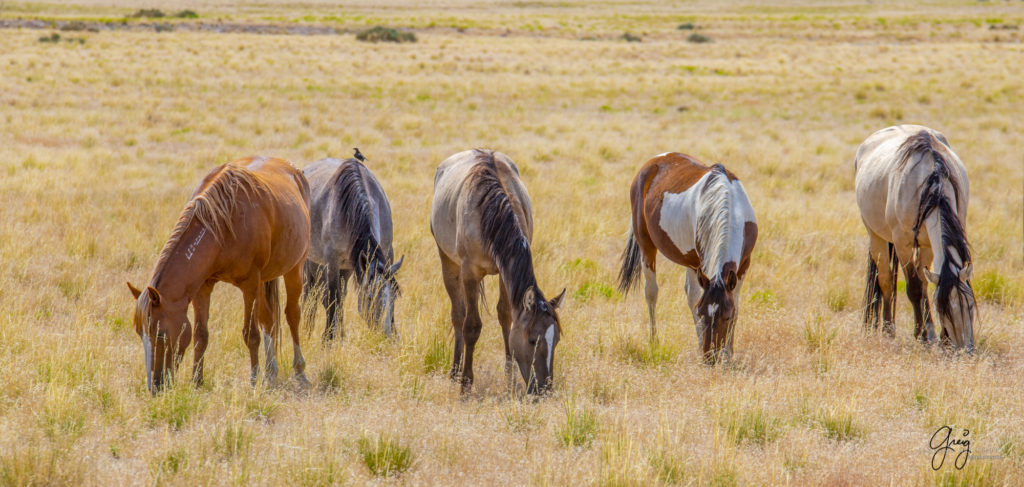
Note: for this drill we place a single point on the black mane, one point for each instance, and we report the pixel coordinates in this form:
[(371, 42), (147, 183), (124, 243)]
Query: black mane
[(933, 199), (353, 203), (502, 233)]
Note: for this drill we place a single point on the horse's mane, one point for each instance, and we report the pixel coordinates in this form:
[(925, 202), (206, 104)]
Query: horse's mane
[(503, 236), (211, 207), (934, 199), (353, 206), (713, 222)]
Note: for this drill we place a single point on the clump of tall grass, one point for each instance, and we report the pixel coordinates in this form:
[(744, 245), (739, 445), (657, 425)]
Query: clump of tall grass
[(580, 427), (385, 34), (385, 456)]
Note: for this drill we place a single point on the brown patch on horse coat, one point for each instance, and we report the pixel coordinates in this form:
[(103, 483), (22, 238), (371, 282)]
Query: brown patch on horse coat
[(668, 173)]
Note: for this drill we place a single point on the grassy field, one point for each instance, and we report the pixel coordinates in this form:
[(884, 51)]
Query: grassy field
[(102, 140)]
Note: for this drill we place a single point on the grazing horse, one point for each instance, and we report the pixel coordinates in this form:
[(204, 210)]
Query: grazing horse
[(912, 191), (246, 224), (698, 217), (482, 223), (352, 231)]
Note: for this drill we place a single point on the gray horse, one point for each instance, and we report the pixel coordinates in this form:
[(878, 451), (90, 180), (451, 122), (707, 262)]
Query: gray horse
[(351, 234)]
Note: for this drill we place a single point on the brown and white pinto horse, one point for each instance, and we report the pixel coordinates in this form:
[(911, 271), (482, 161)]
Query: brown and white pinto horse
[(246, 224), (912, 191), (698, 217), (482, 224)]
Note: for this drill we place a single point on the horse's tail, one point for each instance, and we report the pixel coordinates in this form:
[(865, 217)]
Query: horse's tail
[(274, 303), (629, 274), (873, 291)]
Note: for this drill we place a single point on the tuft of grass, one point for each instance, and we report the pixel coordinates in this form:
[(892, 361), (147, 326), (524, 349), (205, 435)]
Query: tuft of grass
[(686, 26), (170, 463), (992, 286), (232, 442), (839, 425), (31, 465), (260, 404), (52, 38), (669, 469), (750, 425), (619, 465), (385, 34), (579, 429), (329, 379), (187, 14), (174, 407), (437, 357), (698, 38), (63, 419), (646, 353), (837, 299), (385, 456), (818, 336), (589, 290)]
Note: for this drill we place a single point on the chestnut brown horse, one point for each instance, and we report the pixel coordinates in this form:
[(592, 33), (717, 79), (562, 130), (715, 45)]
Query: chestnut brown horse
[(698, 217), (246, 224), (482, 224)]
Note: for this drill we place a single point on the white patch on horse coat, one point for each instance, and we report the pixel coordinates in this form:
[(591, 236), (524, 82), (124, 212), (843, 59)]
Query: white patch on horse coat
[(147, 348), (550, 337), (712, 309), (722, 234), (268, 346)]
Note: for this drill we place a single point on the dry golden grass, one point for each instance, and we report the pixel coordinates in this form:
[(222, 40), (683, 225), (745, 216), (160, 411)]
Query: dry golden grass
[(101, 142)]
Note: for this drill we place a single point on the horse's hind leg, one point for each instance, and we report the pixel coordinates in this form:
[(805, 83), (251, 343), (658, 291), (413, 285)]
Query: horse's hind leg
[(201, 308), (292, 313), (924, 330), (452, 284), (268, 319), (883, 255), (333, 297), (250, 329), (651, 295)]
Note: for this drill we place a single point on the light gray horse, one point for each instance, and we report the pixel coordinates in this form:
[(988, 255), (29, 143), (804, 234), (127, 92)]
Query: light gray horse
[(912, 191), (351, 226)]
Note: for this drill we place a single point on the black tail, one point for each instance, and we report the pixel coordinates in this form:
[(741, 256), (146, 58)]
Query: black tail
[(873, 291), (629, 274)]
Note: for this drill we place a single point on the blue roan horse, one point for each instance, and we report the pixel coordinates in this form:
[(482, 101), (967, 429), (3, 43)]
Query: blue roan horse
[(351, 234)]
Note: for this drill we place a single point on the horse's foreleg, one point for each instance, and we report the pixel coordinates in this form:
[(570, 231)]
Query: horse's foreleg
[(201, 308), (693, 293), (292, 313)]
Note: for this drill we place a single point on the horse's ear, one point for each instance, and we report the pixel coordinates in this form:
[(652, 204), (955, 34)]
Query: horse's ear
[(931, 276), (702, 279), (730, 281), (965, 273), (396, 266), (154, 295), (135, 292), (557, 300), (528, 298)]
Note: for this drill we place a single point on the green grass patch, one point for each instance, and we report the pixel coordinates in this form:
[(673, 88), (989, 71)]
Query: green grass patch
[(385, 456), (646, 353), (438, 353), (590, 290), (175, 406), (669, 469), (233, 441), (992, 286), (385, 34), (698, 38), (750, 425), (579, 429), (840, 425)]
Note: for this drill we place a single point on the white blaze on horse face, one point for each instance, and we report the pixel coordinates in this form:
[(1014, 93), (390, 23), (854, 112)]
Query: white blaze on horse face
[(712, 309), (147, 348), (550, 337)]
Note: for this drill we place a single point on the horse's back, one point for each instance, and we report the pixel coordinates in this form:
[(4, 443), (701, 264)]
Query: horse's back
[(330, 239), (888, 186), (281, 230), (452, 214)]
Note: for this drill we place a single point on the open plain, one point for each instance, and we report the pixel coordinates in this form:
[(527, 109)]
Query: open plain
[(104, 134)]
